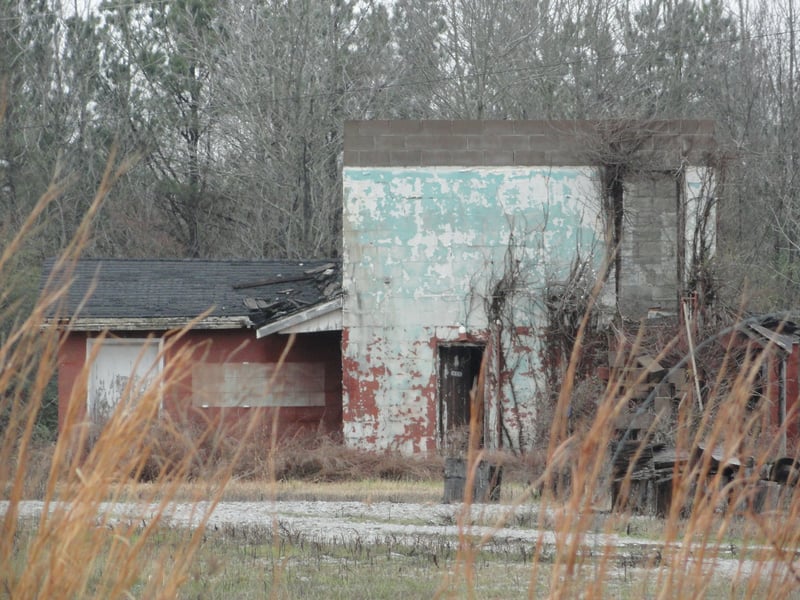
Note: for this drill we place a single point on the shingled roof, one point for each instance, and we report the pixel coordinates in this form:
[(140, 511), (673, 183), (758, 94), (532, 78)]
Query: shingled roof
[(159, 294)]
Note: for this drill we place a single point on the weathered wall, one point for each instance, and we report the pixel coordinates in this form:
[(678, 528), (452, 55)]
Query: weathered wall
[(649, 276), (71, 359), (429, 207), (663, 211), (422, 248), (238, 347)]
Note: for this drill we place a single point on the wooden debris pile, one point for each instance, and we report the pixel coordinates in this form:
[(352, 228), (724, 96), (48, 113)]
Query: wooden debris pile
[(283, 294), (650, 390), (643, 474)]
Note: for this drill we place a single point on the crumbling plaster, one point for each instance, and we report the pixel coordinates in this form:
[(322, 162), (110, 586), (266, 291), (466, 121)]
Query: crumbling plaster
[(422, 247), (429, 209)]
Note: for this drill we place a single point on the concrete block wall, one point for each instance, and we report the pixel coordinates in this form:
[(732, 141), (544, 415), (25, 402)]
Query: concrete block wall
[(520, 143), (649, 276), (427, 208)]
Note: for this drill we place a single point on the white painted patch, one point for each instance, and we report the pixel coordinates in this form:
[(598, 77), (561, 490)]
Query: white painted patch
[(258, 384), (121, 372)]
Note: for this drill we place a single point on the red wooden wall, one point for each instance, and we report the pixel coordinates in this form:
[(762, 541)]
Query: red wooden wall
[(220, 346)]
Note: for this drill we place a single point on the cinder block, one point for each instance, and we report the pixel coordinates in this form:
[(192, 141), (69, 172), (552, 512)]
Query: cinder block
[(663, 403), (390, 142), (437, 127), (435, 158), (351, 158), (373, 159), (532, 127), (405, 127), (404, 158), (706, 127), (484, 142), (530, 157), (359, 142), (498, 158), (452, 158), (499, 127), (375, 127), (467, 157), (467, 127), (677, 376), (547, 141), (702, 143), (436, 142), (517, 142), (351, 128)]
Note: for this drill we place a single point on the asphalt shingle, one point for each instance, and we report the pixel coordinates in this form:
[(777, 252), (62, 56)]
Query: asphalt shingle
[(156, 288)]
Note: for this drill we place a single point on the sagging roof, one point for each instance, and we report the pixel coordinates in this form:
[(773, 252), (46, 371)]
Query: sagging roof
[(772, 331), (158, 294)]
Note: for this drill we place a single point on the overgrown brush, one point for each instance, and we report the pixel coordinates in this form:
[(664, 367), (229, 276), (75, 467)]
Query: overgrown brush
[(727, 532), (716, 521)]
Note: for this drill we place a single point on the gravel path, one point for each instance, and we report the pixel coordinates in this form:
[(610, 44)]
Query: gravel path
[(426, 526)]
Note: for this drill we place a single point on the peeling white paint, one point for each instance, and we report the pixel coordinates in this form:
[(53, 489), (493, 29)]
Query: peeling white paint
[(438, 236)]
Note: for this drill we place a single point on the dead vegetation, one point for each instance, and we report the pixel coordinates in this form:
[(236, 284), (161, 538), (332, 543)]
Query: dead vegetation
[(66, 552), (318, 458)]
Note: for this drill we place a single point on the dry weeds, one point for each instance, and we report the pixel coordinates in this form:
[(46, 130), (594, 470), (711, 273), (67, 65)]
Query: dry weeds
[(71, 552)]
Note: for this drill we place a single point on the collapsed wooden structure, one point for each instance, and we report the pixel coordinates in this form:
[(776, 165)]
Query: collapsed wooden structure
[(650, 388), (644, 477)]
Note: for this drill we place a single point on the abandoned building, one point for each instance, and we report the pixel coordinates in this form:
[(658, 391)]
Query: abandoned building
[(460, 238), (462, 242), (118, 315)]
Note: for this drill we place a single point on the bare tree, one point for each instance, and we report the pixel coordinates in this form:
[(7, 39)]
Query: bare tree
[(288, 74)]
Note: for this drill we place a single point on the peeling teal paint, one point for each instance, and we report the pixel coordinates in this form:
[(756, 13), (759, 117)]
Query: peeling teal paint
[(414, 220), (421, 247)]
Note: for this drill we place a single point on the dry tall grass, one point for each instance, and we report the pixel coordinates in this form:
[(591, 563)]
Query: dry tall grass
[(75, 551), (727, 532)]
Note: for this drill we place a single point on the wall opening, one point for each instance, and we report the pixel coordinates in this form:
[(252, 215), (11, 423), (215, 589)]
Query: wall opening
[(123, 369), (459, 366)]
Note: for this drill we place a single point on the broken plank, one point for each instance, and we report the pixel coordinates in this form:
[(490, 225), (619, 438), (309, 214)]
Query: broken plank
[(650, 364), (320, 269), (269, 281)]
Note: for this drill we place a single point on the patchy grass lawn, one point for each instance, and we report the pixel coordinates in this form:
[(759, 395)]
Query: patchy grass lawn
[(251, 562), (355, 490), (257, 561)]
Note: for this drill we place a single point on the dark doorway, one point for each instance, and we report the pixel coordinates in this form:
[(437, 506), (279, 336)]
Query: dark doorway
[(459, 365)]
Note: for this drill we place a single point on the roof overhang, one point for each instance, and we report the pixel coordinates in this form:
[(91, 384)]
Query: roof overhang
[(770, 337), (326, 316), (147, 323)]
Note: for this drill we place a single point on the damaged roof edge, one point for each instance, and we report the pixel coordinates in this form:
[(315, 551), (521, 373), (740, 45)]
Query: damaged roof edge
[(146, 323), (290, 323), (781, 340)]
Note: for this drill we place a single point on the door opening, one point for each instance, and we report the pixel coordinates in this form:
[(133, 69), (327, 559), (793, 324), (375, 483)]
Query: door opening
[(121, 372), (459, 366)]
